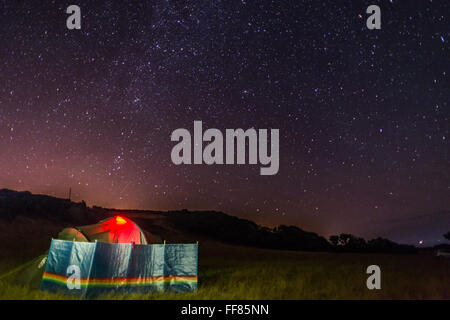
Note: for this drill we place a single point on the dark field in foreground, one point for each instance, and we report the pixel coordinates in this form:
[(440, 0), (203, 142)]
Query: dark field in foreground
[(233, 272)]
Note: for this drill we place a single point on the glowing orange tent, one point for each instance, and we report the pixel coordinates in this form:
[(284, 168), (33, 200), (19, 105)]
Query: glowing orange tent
[(116, 229)]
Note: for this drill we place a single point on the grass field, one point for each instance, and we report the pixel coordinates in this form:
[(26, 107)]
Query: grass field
[(232, 272)]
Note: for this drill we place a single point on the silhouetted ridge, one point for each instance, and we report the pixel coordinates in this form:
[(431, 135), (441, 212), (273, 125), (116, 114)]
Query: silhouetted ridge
[(224, 227), (212, 224), (24, 203)]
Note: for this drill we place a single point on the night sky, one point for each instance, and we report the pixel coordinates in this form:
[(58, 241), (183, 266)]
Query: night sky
[(363, 114)]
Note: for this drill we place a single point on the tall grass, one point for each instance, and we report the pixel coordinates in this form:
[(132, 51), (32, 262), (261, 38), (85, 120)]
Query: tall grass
[(245, 273)]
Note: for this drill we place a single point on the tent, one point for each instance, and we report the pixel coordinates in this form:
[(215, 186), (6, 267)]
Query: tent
[(116, 229), (114, 256)]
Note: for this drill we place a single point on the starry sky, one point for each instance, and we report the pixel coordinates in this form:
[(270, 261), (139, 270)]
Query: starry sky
[(363, 114)]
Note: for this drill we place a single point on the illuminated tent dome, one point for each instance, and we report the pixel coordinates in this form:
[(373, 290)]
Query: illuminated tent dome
[(114, 230)]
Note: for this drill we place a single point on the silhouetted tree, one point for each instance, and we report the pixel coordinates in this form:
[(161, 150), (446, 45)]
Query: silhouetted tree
[(447, 235), (344, 239), (334, 240)]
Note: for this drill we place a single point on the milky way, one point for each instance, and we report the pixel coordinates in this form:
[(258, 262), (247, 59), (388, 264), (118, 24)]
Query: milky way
[(363, 114)]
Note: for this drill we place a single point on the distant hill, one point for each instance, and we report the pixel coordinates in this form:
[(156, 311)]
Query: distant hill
[(30, 221), (42, 207), (212, 224), (221, 226)]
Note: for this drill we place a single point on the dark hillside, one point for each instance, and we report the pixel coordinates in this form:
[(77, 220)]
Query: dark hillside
[(28, 222)]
